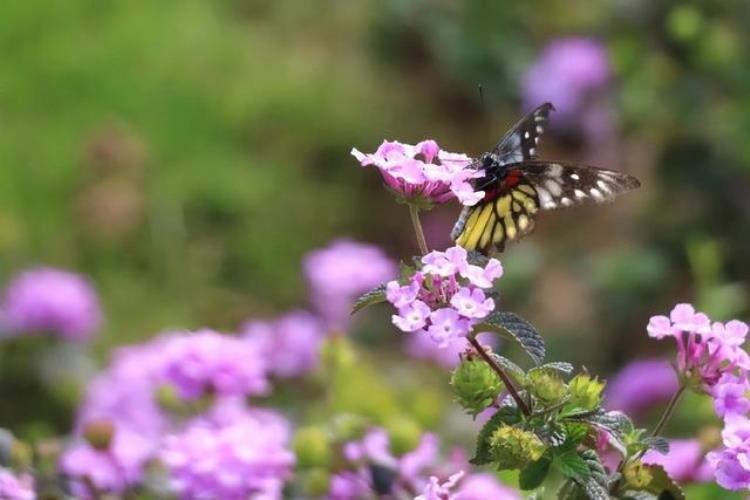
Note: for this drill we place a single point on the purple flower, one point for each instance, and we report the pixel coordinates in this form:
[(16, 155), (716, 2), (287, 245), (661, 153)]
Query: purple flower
[(435, 490), (731, 464), (234, 455), (684, 462), (640, 385), (111, 470), (424, 171), (483, 486), (412, 317), (374, 448), (444, 297), (566, 73), (342, 271), (704, 352), (291, 344), (16, 487), (447, 326), (730, 395), (51, 300), (209, 362), (472, 303)]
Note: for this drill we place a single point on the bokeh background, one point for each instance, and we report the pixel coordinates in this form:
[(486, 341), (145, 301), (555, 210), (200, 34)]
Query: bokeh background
[(186, 155)]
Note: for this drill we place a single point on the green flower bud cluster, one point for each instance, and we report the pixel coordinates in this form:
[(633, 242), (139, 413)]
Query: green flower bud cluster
[(514, 448), (637, 475), (475, 384), (312, 447), (585, 391), (547, 386)]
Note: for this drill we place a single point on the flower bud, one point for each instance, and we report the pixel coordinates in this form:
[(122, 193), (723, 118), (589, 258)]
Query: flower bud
[(547, 386), (475, 385), (514, 448), (316, 482), (349, 427), (312, 448), (404, 434), (99, 434), (636, 474), (585, 391)]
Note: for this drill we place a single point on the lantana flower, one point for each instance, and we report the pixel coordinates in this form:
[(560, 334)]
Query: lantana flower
[(424, 172), (731, 464), (445, 298), (705, 351)]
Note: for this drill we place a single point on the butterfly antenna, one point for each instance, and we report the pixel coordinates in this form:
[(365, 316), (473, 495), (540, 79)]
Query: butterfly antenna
[(481, 94)]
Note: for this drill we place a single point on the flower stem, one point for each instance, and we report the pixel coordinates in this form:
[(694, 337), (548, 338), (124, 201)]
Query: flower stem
[(668, 411), (421, 241), (501, 373)]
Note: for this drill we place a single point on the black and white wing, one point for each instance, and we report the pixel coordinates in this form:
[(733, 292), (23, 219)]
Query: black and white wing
[(520, 142), (559, 184)]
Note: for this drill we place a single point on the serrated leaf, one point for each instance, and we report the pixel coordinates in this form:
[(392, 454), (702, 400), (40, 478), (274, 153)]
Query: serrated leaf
[(657, 443), (593, 490), (598, 472), (616, 423), (506, 415), (572, 465), (560, 366), (513, 327), (552, 434), (662, 485), (511, 368), (534, 474), (577, 432), (374, 296)]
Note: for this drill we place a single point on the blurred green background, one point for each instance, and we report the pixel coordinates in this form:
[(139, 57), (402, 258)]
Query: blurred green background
[(186, 154)]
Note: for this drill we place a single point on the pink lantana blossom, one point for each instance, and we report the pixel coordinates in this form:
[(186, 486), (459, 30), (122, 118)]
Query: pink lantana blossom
[(705, 352), (444, 298), (424, 171)]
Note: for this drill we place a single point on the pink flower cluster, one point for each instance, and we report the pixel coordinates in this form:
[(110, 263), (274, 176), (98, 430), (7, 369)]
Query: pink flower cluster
[(424, 171), (710, 355), (705, 351), (446, 297)]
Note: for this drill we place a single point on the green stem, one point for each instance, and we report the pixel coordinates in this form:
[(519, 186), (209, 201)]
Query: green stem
[(501, 373), (664, 420), (421, 241)]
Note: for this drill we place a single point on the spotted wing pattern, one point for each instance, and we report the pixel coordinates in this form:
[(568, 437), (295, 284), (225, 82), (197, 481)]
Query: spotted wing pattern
[(520, 142), (507, 212), (492, 222)]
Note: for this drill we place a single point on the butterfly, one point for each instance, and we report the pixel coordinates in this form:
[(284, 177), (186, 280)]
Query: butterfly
[(517, 185)]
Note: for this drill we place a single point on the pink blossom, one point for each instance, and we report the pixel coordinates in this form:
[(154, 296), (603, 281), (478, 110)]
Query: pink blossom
[(447, 325), (472, 303), (424, 171), (412, 317), (16, 486), (684, 462), (483, 486), (730, 395), (435, 490), (448, 287)]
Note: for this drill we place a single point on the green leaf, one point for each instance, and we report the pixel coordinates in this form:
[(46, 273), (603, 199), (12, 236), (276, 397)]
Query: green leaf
[(572, 465), (374, 296), (405, 271), (513, 327), (577, 432), (506, 415), (511, 368), (662, 485), (552, 433), (533, 475), (616, 423), (657, 443), (560, 366)]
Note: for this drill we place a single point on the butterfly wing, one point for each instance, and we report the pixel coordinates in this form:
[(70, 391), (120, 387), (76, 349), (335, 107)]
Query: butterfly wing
[(507, 214), (520, 142), (560, 184)]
